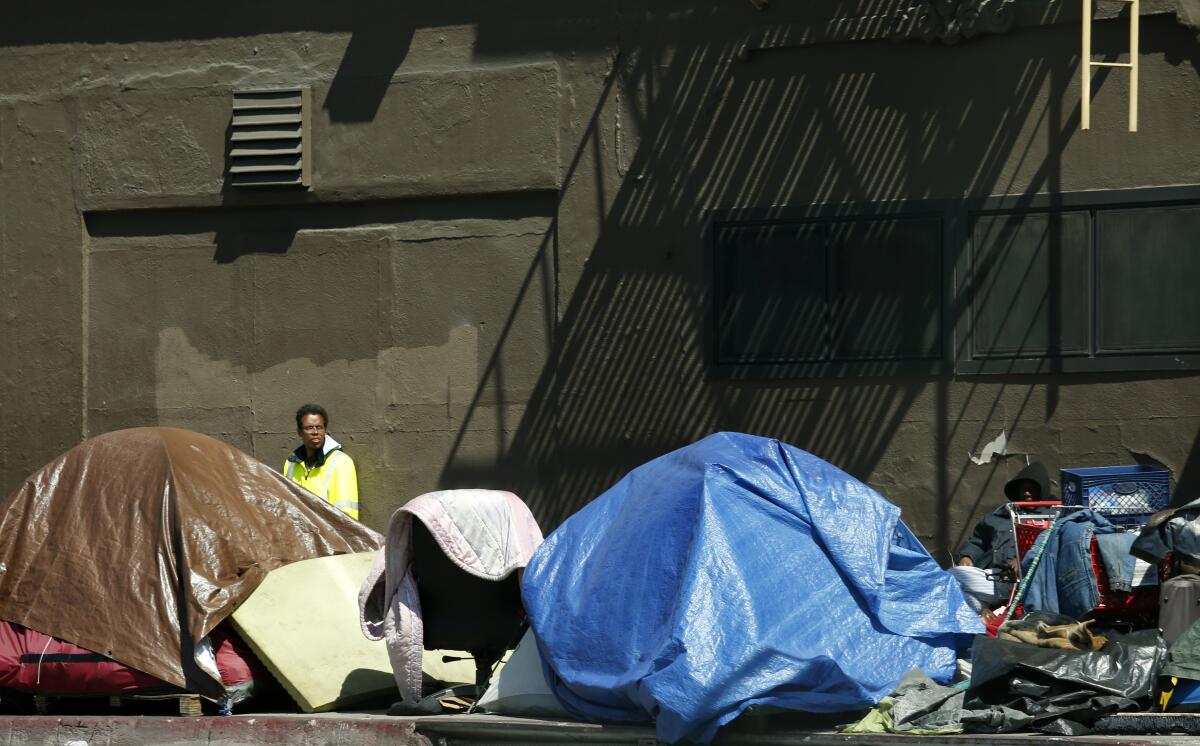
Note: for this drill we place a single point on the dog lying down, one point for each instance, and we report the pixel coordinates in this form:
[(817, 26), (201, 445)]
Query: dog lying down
[(1073, 636)]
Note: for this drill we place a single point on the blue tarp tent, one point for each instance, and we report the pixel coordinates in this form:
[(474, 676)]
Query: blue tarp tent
[(733, 572)]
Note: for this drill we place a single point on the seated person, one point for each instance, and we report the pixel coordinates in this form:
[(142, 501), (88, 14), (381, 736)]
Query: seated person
[(991, 549)]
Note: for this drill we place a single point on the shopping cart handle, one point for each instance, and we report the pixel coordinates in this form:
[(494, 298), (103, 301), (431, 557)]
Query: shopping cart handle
[(1037, 503)]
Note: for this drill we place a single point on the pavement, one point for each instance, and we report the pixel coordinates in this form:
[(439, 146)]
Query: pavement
[(370, 729)]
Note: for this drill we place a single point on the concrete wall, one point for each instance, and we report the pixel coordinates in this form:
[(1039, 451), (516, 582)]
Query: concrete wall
[(496, 279)]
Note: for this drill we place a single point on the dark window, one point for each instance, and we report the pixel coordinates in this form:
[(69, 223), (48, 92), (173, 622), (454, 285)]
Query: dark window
[(844, 295), (1073, 282), (1148, 280), (1082, 282), (886, 303), (772, 288), (1020, 262)]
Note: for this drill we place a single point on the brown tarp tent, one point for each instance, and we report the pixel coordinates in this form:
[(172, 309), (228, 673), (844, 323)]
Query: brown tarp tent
[(135, 544)]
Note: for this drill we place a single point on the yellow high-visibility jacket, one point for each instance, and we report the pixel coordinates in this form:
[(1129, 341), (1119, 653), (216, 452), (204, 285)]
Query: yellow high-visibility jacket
[(332, 477)]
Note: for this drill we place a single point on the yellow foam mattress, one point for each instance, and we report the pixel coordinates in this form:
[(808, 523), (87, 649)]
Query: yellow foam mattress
[(302, 623)]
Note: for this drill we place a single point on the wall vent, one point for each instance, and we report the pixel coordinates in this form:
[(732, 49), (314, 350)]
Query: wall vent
[(270, 138)]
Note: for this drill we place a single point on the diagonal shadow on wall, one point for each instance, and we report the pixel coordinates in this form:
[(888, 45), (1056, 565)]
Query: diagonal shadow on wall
[(687, 130)]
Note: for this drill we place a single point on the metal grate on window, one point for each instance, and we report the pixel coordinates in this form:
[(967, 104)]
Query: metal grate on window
[(269, 140)]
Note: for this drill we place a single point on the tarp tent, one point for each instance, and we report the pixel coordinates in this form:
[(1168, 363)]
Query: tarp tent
[(135, 544), (733, 572)]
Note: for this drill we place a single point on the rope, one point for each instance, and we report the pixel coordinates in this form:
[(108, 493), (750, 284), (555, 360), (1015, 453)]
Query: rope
[(41, 658)]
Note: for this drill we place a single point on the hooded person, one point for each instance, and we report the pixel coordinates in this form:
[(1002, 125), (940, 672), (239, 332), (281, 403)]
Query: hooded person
[(991, 548)]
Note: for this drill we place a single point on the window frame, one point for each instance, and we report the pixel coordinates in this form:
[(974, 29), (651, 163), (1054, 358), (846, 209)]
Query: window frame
[(1094, 360), (829, 213), (956, 307)]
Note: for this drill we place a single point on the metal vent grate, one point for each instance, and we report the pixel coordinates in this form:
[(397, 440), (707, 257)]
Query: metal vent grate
[(269, 141)]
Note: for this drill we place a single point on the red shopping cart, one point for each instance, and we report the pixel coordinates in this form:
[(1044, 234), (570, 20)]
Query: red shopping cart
[(1027, 526), (1138, 607)]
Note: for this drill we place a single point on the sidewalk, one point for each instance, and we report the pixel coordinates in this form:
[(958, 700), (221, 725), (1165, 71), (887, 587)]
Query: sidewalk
[(370, 729)]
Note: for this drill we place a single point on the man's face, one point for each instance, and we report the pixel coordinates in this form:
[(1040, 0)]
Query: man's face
[(1027, 489), (312, 431)]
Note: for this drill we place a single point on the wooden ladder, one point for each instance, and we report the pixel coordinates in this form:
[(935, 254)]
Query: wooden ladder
[(1086, 64)]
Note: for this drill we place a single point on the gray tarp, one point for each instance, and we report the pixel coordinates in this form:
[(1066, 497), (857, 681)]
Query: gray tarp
[(1183, 659), (1016, 686)]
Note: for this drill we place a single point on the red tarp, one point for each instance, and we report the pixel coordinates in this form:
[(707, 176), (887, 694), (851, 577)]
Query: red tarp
[(40, 664)]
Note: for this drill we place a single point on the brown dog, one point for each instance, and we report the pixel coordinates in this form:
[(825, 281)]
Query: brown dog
[(1075, 636)]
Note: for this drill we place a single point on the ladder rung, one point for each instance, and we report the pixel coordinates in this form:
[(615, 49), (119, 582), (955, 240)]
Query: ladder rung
[(1111, 64)]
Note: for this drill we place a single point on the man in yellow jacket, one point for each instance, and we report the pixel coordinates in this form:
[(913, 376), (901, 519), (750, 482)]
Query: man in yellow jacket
[(320, 465)]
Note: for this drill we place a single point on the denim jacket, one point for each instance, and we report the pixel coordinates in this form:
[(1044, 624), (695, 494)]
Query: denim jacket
[(1064, 581), (1119, 564)]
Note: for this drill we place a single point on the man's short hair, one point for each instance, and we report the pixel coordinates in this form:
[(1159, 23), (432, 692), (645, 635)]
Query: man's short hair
[(308, 409)]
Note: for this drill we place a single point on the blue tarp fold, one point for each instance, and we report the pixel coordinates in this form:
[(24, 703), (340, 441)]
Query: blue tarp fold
[(733, 572)]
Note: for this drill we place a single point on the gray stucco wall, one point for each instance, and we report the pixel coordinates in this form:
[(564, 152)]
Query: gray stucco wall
[(496, 279)]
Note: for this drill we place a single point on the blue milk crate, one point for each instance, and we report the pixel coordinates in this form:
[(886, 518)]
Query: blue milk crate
[(1123, 494)]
